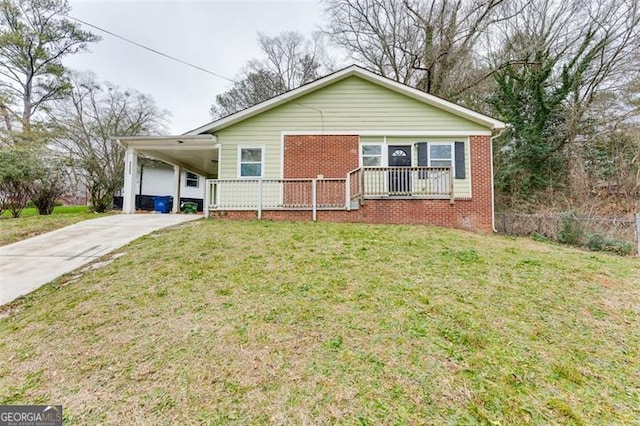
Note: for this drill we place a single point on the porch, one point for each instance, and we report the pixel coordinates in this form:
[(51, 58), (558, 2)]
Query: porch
[(317, 194)]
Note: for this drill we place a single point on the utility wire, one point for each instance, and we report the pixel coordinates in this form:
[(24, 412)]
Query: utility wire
[(173, 58)]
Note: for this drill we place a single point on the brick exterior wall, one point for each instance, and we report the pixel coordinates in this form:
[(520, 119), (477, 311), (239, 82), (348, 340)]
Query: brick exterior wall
[(307, 156), (334, 156)]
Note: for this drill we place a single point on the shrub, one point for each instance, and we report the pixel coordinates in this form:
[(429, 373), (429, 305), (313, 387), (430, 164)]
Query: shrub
[(571, 231), (44, 198), (541, 238), (48, 188), (621, 247), (19, 169), (596, 242)]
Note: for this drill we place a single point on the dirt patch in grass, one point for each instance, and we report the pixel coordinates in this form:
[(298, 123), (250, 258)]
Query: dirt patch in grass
[(261, 322)]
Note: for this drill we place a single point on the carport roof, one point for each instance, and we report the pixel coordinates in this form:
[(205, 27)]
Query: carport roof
[(197, 153)]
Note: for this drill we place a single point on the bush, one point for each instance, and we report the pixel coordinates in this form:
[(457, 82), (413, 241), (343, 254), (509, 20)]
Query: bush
[(48, 188), (621, 247), (19, 169), (571, 231), (541, 238), (44, 198), (596, 242)]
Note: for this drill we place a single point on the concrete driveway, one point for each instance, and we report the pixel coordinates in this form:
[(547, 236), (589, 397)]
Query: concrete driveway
[(28, 264)]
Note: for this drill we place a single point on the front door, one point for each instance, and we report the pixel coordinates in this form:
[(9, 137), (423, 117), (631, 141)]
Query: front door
[(399, 180)]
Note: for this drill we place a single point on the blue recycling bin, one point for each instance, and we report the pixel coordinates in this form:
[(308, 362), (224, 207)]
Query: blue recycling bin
[(161, 204)]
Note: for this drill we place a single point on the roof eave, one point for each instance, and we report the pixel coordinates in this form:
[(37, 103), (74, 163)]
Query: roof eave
[(273, 102), (432, 100)]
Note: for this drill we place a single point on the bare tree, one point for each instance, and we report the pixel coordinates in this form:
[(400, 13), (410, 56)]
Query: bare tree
[(85, 123), (34, 38), (426, 44), (290, 60), (291, 57)]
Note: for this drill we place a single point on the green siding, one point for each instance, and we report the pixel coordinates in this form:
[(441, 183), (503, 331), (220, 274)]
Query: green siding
[(352, 104)]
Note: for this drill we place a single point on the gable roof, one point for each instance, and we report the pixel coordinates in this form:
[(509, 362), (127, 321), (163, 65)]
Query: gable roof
[(352, 70)]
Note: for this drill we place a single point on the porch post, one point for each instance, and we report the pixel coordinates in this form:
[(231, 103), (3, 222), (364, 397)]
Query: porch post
[(176, 189), (207, 192), (130, 175)]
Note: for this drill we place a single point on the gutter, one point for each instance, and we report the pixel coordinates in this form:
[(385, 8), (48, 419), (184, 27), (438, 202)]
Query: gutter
[(493, 197)]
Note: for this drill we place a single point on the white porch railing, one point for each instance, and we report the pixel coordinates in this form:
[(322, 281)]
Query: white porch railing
[(329, 194), (274, 194), (430, 182)]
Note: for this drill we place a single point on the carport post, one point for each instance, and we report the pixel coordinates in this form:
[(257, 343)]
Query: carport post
[(207, 196), (176, 189), (130, 178)]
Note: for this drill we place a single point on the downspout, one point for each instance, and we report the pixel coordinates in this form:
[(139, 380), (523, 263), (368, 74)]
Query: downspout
[(493, 197)]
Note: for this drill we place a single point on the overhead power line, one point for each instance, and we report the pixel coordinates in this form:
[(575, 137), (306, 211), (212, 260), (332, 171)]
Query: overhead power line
[(173, 58), (135, 43)]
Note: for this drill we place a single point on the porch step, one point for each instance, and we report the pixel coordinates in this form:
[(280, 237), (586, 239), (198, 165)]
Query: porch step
[(355, 204)]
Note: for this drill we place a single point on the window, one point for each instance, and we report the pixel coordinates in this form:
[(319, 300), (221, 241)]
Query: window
[(371, 155), (192, 180), (251, 162), (440, 155)]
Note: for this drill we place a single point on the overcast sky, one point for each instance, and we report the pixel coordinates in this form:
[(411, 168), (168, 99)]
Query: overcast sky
[(217, 35)]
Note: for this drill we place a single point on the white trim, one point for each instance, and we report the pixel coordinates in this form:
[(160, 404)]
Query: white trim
[(177, 174), (205, 199), (219, 159), (452, 159), (167, 148), (262, 161), (493, 200), (129, 184), (467, 160), (425, 133), (186, 179), (459, 110), (282, 135), (207, 138), (361, 154)]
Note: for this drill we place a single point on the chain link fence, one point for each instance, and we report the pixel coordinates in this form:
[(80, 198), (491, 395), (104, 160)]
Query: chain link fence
[(552, 226)]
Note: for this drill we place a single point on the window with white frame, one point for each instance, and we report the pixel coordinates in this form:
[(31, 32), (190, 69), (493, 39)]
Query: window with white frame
[(251, 162), (191, 180), (440, 155), (371, 155)]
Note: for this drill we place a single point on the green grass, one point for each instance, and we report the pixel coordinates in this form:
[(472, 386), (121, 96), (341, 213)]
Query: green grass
[(30, 224), (307, 323)]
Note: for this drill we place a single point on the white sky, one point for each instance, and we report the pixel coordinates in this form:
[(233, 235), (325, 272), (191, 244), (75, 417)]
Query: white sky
[(217, 35)]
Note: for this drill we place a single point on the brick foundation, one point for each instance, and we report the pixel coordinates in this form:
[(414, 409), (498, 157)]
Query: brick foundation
[(335, 156), (419, 212)]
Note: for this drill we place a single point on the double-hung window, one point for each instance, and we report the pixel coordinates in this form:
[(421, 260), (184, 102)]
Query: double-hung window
[(440, 155), (191, 180), (371, 155), (251, 162), (443, 154)]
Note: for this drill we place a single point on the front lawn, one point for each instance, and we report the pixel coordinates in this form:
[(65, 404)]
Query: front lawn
[(30, 224), (315, 323)]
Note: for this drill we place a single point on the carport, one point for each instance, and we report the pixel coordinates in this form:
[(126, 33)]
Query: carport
[(196, 153)]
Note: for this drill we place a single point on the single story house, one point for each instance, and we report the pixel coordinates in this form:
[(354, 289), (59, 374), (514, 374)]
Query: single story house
[(349, 147)]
